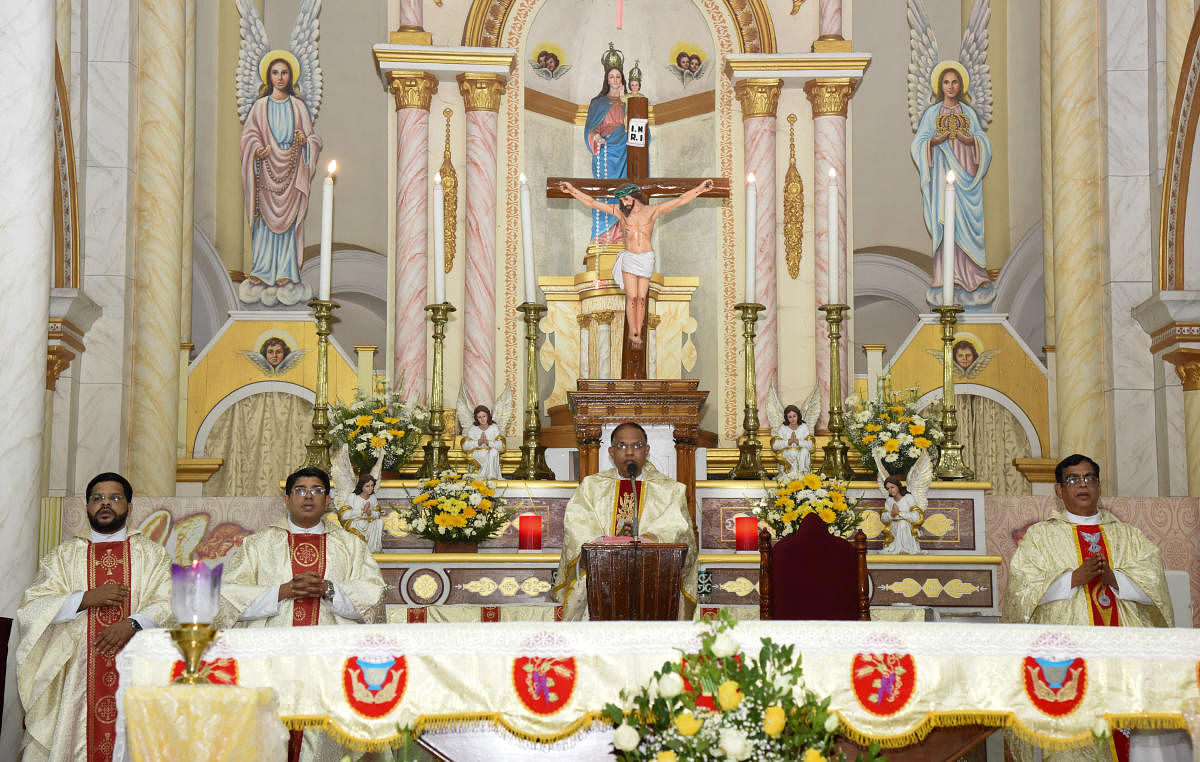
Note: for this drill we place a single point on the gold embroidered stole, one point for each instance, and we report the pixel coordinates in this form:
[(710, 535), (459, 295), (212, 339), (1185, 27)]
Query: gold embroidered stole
[(107, 562), (627, 503), (1102, 603), (308, 555)]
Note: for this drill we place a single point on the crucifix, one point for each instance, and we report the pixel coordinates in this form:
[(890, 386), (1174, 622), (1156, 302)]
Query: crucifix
[(633, 355)]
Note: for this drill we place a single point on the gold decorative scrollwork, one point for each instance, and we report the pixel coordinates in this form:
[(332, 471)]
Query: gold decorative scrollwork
[(482, 92), (759, 97), (829, 97), (412, 89), (1187, 367), (449, 195), (793, 206)]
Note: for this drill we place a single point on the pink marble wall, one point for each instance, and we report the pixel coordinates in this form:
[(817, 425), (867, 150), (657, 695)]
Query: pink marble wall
[(760, 159), (830, 147), (479, 345), (412, 250), (1171, 523)]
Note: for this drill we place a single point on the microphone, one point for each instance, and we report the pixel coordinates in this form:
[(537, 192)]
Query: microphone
[(631, 469)]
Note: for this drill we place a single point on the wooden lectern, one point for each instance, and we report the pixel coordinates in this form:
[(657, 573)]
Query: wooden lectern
[(634, 580)]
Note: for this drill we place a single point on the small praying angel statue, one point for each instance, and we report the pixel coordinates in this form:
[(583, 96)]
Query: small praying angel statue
[(793, 438), (482, 433), (903, 509), (355, 502)]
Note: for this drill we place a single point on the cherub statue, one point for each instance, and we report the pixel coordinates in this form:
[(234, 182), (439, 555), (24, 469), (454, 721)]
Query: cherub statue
[(354, 499), (949, 108), (483, 436), (903, 509), (793, 438), (278, 98)]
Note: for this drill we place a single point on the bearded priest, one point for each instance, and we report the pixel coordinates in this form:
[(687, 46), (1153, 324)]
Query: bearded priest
[(92, 594), (607, 503)]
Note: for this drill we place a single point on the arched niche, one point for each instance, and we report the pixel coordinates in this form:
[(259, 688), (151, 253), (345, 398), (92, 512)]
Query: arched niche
[(1175, 269)]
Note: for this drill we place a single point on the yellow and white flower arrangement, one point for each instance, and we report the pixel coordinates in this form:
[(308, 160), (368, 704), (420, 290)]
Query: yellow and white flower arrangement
[(721, 702), (372, 427), (455, 508), (892, 428), (786, 505)]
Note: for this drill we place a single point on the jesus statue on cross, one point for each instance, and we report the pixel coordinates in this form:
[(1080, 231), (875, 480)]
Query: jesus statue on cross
[(634, 266)]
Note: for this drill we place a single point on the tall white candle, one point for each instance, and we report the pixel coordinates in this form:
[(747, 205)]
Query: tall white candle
[(439, 242), (327, 234), (948, 243), (527, 244), (834, 253), (751, 237)]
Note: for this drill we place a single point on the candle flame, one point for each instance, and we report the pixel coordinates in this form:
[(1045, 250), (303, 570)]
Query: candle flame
[(522, 178), (832, 173), (950, 176), (333, 166), (750, 178)]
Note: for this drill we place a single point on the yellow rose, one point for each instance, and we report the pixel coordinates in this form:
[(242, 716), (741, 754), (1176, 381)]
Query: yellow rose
[(812, 755), (773, 720), (728, 695), (687, 723), (916, 428), (666, 756), (891, 445), (812, 481)]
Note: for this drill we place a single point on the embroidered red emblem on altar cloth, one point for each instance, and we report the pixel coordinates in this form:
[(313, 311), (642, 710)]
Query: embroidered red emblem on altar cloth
[(1102, 602), (308, 555), (374, 688), (107, 562), (544, 684), (1055, 686), (883, 683), (217, 671)]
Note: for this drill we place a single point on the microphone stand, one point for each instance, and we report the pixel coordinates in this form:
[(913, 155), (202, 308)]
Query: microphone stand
[(631, 469)]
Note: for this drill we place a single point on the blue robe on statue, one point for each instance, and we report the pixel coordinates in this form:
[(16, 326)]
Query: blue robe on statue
[(610, 162)]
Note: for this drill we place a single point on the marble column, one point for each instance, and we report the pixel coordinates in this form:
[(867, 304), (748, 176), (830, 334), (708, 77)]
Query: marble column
[(602, 321), (26, 238), (759, 99), (830, 99), (1076, 167), (481, 96), (1187, 367), (585, 346), (413, 92), (831, 18), (411, 14), (158, 242)]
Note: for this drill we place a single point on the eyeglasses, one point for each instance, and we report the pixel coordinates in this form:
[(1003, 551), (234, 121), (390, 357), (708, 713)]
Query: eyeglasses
[(635, 446), (111, 498), (1074, 480), (306, 491)]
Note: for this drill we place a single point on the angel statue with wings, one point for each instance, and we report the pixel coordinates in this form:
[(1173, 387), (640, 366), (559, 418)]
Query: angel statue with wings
[(903, 509), (949, 107), (354, 499), (278, 97), (793, 438), (482, 438)]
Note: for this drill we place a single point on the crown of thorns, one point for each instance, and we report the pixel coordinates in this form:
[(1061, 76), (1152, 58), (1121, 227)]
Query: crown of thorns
[(626, 190)]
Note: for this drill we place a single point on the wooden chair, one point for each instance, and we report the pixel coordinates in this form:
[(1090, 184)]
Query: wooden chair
[(811, 574)]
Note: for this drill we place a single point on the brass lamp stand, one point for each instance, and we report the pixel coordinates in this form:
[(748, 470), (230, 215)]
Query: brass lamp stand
[(749, 465), (533, 453), (437, 454), (318, 448), (950, 462), (193, 640), (836, 465)]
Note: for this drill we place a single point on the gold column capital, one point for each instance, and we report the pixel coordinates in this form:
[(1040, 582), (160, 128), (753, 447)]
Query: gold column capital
[(585, 320), (482, 92), (759, 97), (652, 321), (604, 317), (829, 97), (412, 89), (1187, 367), (58, 359)]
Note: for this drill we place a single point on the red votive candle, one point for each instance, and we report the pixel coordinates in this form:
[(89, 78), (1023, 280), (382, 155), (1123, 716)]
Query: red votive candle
[(746, 528), (529, 532)]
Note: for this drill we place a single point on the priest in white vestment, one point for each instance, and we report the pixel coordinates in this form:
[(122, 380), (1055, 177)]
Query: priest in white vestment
[(1084, 566), (605, 505), (91, 595)]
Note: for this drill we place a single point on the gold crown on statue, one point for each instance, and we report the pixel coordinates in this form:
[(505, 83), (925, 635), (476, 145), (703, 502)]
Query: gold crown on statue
[(635, 74), (613, 59)]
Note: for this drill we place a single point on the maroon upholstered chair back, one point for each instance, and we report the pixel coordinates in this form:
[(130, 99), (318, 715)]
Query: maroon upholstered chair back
[(811, 574), (5, 632)]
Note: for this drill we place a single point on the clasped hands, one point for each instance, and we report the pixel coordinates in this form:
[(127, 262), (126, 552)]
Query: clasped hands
[(1091, 568), (303, 585), (114, 637)]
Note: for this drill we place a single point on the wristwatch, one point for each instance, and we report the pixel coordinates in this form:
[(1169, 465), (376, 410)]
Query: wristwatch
[(327, 596), (137, 626)]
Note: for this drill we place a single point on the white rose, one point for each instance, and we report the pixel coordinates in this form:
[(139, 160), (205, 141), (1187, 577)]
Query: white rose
[(734, 743), (625, 738), (723, 646), (831, 723), (1101, 729), (670, 685), (799, 693)]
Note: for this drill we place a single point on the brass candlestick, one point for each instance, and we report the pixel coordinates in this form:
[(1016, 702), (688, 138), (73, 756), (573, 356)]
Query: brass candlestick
[(749, 465), (437, 454), (318, 448), (836, 465), (950, 462), (533, 453), (192, 640)]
